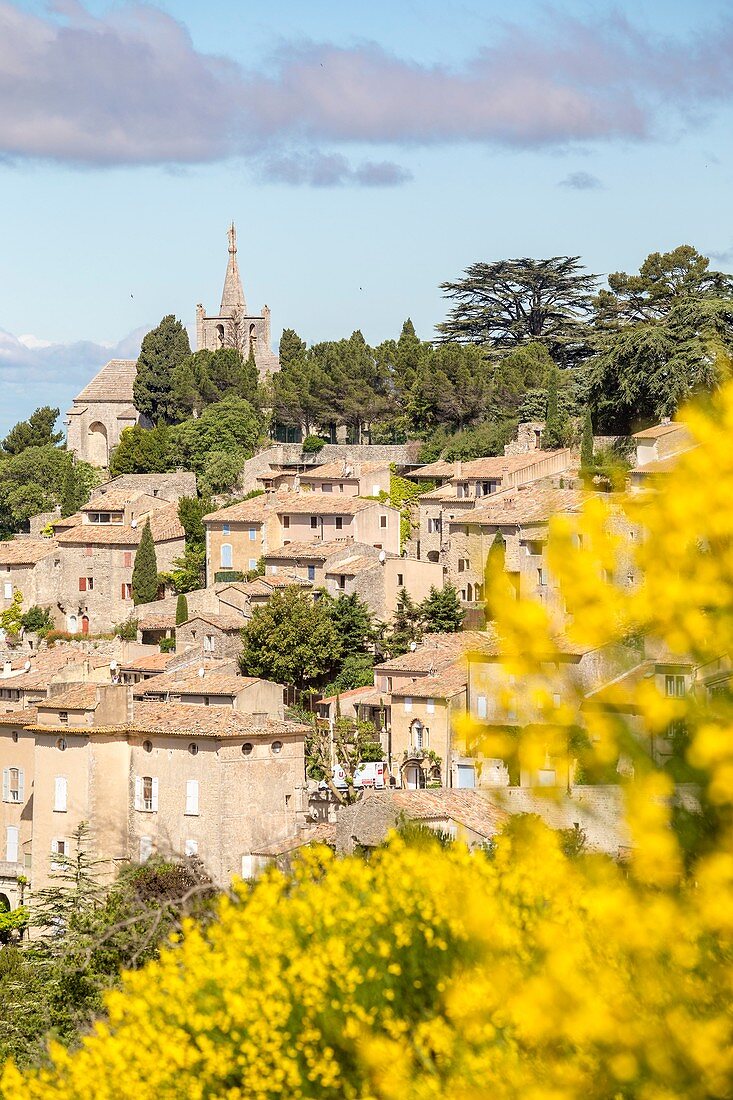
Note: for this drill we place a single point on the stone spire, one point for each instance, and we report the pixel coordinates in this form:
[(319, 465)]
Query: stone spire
[(232, 298)]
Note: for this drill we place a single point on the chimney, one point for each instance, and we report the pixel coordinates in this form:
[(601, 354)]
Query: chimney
[(458, 467), (7, 668)]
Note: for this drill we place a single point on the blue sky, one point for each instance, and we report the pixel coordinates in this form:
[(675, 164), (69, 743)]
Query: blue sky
[(366, 151)]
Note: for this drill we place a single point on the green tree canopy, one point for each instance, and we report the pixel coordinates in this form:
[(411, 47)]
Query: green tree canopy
[(291, 347), (441, 611), (36, 431), (142, 451), (162, 350), (512, 302), (291, 640), (230, 425)]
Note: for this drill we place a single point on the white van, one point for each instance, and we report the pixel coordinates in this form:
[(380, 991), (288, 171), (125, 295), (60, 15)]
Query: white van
[(373, 774)]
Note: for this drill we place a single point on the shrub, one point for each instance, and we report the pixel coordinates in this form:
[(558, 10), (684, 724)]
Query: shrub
[(127, 631), (167, 645), (38, 620), (312, 444)]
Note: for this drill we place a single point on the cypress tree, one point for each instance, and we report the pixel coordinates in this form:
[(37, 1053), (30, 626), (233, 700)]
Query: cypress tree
[(555, 433), (586, 444), (163, 349), (145, 569), (291, 347), (181, 609)]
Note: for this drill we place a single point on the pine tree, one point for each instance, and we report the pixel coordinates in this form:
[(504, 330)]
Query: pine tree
[(181, 609), (586, 444), (291, 347), (145, 569), (441, 611)]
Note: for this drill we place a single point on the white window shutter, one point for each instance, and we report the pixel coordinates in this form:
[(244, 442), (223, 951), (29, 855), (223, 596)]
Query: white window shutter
[(481, 706), (59, 801), (11, 844), (192, 796), (6, 784), (155, 794), (138, 792), (21, 784)]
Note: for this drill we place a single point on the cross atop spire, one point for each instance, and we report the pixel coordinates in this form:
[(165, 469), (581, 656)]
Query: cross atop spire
[(232, 298)]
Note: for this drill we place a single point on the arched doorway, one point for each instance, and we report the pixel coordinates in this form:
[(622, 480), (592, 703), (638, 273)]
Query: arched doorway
[(85, 624), (253, 339), (98, 451), (220, 336), (72, 624)]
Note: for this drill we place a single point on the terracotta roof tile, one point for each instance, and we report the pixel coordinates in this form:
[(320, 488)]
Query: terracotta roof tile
[(335, 471), (223, 622), (76, 697), (472, 809), (164, 527), (188, 682), (324, 504), (309, 551), (189, 720), (20, 551)]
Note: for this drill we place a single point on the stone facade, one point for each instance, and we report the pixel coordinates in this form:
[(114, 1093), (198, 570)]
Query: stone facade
[(234, 326), (102, 411)]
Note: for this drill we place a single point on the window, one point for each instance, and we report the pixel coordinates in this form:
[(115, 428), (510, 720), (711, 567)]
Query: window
[(193, 749), (226, 555), (63, 717), (252, 563), (8, 590), (311, 572), (430, 707), (146, 793), (252, 534), (147, 746), (400, 580), (191, 847), (286, 522), (327, 487), (674, 687), (82, 584), (127, 559), (342, 581), (226, 529), (13, 784), (88, 551), (480, 706), (247, 748), (126, 591), (434, 526), (11, 843), (339, 523), (59, 794), (408, 704), (146, 848), (277, 747), (192, 796), (417, 734), (534, 548), (61, 742), (314, 523), (461, 565), (208, 643), (58, 848), (383, 521), (541, 577), (462, 489)]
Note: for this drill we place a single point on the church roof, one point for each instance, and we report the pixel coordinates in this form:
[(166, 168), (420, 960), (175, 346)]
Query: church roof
[(113, 383), (232, 298)]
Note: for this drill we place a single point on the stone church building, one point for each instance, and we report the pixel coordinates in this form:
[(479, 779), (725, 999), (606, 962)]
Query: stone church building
[(234, 326), (105, 407)]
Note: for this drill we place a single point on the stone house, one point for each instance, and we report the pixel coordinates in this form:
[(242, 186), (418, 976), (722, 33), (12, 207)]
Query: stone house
[(469, 483), (324, 517), (32, 567), (170, 486), (147, 777), (356, 479), (216, 635), (378, 582), (498, 701), (217, 686), (102, 411), (466, 816), (661, 442), (238, 535), (96, 563), (244, 597)]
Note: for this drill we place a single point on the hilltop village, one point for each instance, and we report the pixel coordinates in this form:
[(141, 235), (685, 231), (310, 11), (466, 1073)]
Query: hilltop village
[(156, 695)]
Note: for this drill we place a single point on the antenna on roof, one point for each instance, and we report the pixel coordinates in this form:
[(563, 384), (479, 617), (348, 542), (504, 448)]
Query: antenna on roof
[(382, 557), (133, 523), (27, 666)]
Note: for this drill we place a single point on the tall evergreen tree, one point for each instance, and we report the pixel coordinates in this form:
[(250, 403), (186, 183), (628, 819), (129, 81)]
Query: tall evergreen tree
[(145, 569), (36, 431), (163, 349), (181, 609), (291, 347), (586, 443), (556, 425)]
